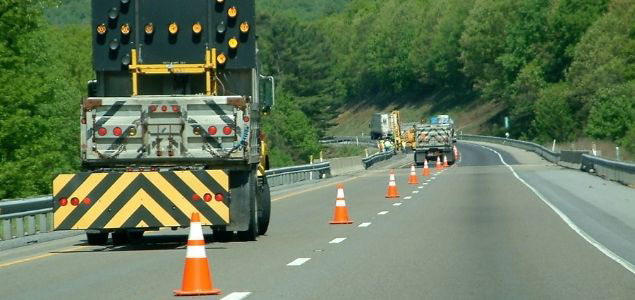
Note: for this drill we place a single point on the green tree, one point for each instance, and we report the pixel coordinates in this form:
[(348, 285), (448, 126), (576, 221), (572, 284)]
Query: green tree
[(554, 119)]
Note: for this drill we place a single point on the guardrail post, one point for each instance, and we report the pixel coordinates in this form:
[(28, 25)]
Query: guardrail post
[(321, 158), (617, 153), (19, 227), (42, 223), (366, 151), (6, 229), (357, 140), (553, 146), (30, 225)]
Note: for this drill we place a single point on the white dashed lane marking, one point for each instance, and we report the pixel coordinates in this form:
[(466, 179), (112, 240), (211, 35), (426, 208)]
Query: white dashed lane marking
[(236, 296), (337, 240), (396, 204), (298, 261), (415, 192), (420, 187), (382, 212), (365, 224), (407, 197)]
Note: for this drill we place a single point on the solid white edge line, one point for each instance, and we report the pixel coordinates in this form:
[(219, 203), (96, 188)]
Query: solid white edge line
[(382, 212), (236, 296), (299, 261), (624, 263), (365, 224), (337, 240)]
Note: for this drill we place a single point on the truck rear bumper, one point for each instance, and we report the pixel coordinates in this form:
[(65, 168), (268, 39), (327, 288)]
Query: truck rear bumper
[(117, 200)]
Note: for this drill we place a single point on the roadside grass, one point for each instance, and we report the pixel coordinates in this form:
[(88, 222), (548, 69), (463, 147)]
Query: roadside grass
[(347, 151), (604, 148)]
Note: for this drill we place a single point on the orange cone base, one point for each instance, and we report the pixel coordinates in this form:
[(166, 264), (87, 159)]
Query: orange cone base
[(196, 279), (412, 181), (197, 293), (341, 222)]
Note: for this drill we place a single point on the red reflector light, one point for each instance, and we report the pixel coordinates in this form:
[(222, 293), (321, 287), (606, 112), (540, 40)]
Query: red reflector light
[(212, 130), (207, 197), (102, 131), (164, 108), (175, 108), (87, 201), (74, 201), (246, 119), (227, 130), (219, 197), (153, 108), (117, 131), (196, 197), (63, 201)]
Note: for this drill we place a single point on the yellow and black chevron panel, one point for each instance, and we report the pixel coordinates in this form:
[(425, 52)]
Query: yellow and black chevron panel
[(139, 199)]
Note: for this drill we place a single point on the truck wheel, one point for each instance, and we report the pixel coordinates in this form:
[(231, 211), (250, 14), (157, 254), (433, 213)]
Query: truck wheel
[(264, 205), (252, 232), (120, 237), (220, 234), (97, 238)]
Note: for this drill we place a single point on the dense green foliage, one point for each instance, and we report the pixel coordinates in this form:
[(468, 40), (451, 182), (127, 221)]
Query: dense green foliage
[(563, 69), (44, 73)]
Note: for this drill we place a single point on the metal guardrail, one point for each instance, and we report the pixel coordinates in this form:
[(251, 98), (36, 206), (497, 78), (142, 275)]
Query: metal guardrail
[(293, 174), (14, 214), (377, 157), (622, 172), (553, 157), (349, 140)]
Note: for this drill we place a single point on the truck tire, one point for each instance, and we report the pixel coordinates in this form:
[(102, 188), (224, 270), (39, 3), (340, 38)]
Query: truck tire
[(97, 238), (120, 237), (250, 192), (264, 205)]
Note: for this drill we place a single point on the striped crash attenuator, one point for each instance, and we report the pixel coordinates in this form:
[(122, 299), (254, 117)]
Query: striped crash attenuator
[(139, 199)]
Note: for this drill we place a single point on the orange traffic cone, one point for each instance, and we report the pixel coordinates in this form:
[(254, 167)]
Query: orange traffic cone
[(412, 179), (392, 186), (426, 170), (439, 166), (445, 161), (197, 279), (341, 212)]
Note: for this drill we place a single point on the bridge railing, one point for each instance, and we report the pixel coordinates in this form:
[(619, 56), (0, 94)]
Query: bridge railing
[(623, 172), (36, 212), (293, 174)]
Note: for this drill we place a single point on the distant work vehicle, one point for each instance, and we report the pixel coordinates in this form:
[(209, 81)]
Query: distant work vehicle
[(171, 125), (395, 129), (380, 126), (435, 139)]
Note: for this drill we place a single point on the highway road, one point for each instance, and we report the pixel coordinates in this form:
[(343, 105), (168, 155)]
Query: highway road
[(473, 231)]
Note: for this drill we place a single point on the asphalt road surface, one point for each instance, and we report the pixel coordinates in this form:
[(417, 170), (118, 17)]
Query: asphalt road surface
[(473, 231)]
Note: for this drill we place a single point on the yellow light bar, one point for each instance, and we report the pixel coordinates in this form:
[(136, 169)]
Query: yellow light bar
[(232, 12), (244, 27), (221, 59), (125, 29), (173, 28), (197, 28), (102, 29), (233, 43)]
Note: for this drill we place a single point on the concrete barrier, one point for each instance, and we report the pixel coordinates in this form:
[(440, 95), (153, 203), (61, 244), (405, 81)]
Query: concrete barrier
[(346, 165), (572, 158)]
